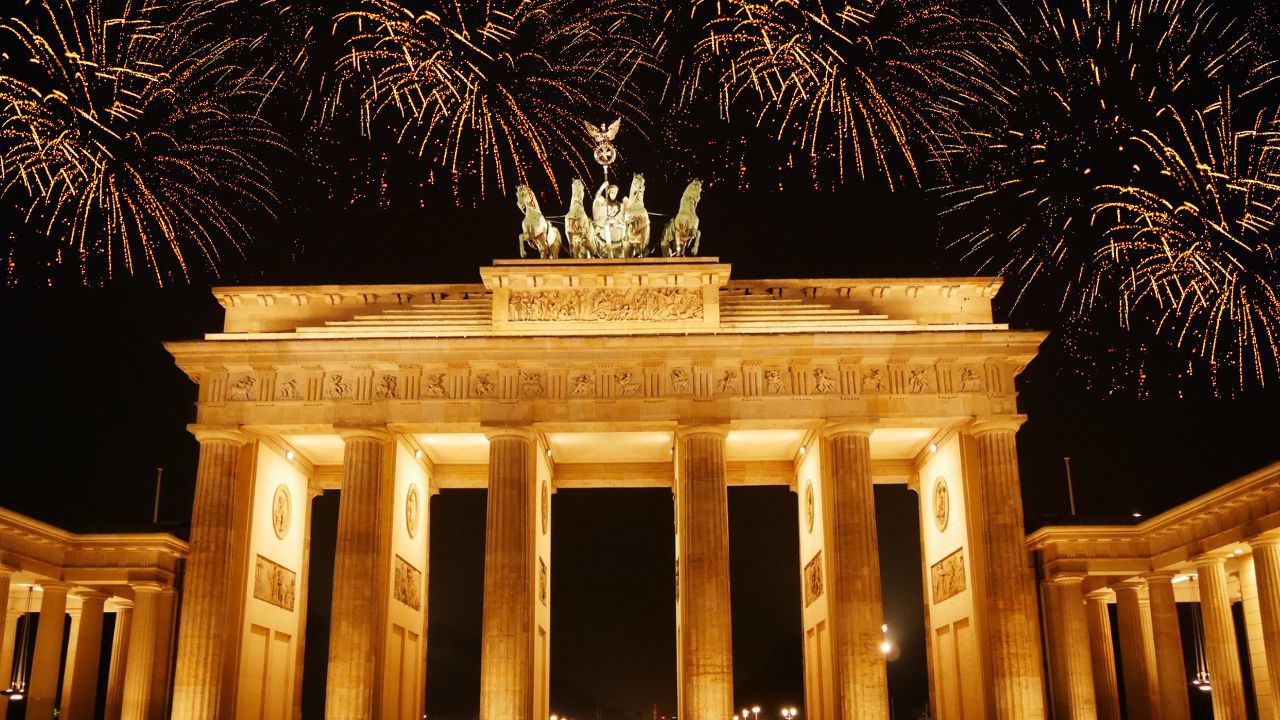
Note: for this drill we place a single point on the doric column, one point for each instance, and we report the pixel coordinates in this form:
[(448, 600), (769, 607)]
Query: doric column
[(1012, 613), (1266, 565), (358, 569), (1133, 653), (80, 691), (1069, 649), (203, 635), (705, 627), (313, 492), (42, 693), (853, 560), (506, 660), (8, 633), (1106, 690), (1170, 665), (1221, 652), (119, 658), (144, 636)]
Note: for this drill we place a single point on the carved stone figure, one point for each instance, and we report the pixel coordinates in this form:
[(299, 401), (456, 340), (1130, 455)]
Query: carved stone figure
[(728, 383), (482, 386), (919, 380), (433, 385), (605, 304), (679, 380), (531, 385), (872, 382), (773, 382), (608, 216), (577, 224), (584, 385), (338, 388), (281, 511), (388, 387), (628, 386), (822, 381), (537, 232), (288, 390), (970, 381), (242, 389), (681, 236), (636, 217)]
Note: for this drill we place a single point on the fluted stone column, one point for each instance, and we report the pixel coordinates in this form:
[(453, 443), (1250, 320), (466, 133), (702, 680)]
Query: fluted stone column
[(706, 627), (42, 693), (119, 659), (1106, 690), (358, 588), (8, 633), (1171, 671), (853, 560), (313, 492), (1140, 702), (1266, 565), (1012, 613), (144, 635), (506, 659), (80, 688), (206, 628), (1073, 674), (1221, 651)]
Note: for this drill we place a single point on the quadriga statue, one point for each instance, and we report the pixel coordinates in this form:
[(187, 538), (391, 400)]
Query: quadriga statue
[(577, 224), (537, 232), (636, 218), (681, 235)]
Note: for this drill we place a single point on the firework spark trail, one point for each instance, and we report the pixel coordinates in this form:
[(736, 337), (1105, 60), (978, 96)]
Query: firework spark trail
[(1079, 80), (1196, 242), (864, 91), (494, 92), (130, 155)]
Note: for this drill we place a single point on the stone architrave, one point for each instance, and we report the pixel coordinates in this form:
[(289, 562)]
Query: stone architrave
[(205, 627), (704, 632), (1012, 613)]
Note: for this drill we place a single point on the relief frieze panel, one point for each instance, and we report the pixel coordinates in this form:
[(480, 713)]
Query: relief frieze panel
[(947, 577), (274, 583), (606, 305)]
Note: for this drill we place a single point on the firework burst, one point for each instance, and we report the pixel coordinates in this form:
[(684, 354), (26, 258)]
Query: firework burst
[(494, 93), (128, 155), (1196, 244), (862, 91), (1079, 80)]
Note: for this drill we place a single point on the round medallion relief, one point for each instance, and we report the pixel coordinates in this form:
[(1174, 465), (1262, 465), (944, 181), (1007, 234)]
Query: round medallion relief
[(411, 511), (546, 507), (281, 511), (808, 506), (941, 503)]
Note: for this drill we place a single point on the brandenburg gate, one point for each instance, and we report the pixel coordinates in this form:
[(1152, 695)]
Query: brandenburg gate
[(602, 373)]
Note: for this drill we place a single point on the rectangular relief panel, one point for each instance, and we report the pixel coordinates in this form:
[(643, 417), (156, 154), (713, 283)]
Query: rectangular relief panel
[(947, 578), (408, 584), (274, 583)]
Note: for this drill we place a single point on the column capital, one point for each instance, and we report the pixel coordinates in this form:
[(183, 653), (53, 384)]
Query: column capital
[(983, 424), (835, 427), (1211, 559), (1268, 539), (7, 570), (218, 433), (1105, 595), (1160, 576), (147, 586), (362, 432), (91, 595), (54, 585), (686, 431), (523, 432), (1067, 578), (1135, 584), (120, 603)]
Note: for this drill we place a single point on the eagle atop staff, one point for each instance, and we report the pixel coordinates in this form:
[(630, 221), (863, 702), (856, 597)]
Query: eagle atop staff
[(605, 152)]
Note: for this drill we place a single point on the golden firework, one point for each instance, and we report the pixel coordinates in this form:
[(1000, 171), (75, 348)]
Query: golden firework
[(129, 154)]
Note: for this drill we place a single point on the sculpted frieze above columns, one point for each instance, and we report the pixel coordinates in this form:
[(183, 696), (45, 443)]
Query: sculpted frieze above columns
[(721, 379)]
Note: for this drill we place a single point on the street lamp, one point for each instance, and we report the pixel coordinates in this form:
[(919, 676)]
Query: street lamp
[(788, 713), (755, 710)]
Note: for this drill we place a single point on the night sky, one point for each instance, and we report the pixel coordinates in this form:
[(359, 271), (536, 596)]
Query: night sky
[(92, 406)]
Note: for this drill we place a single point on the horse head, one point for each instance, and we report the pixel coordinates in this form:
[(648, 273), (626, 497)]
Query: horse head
[(692, 194), (637, 189), (576, 190)]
